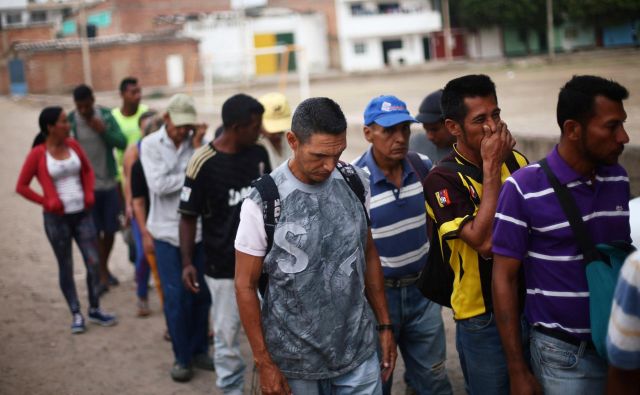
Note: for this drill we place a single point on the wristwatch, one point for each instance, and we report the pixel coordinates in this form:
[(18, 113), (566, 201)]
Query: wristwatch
[(384, 327)]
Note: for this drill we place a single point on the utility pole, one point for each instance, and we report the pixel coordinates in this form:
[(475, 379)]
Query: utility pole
[(550, 38), (446, 22), (84, 44)]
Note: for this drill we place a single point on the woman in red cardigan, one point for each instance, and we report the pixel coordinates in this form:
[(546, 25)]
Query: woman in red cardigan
[(65, 175)]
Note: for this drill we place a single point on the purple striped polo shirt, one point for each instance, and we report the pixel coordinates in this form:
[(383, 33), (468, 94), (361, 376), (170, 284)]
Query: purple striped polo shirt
[(530, 226)]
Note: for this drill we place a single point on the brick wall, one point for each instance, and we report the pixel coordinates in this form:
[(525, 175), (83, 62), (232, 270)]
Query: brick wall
[(137, 16), (31, 33), (58, 71)]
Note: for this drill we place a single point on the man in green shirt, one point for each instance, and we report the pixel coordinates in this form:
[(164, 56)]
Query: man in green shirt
[(129, 113)]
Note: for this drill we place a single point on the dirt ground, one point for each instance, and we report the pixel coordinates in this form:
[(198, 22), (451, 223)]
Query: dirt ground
[(38, 355)]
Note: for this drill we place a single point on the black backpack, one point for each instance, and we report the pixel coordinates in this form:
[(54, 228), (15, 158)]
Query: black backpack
[(268, 191)]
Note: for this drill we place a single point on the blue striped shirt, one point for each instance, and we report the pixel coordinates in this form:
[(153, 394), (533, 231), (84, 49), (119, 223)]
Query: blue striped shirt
[(530, 226), (623, 337), (398, 218)]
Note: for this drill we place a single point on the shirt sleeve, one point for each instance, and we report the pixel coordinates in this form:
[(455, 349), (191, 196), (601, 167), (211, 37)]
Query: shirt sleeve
[(139, 187), (251, 237), (192, 196), (158, 170), (450, 203), (511, 223), (623, 336)]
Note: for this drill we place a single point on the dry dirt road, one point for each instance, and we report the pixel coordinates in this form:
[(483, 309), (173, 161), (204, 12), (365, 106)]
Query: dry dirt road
[(38, 355)]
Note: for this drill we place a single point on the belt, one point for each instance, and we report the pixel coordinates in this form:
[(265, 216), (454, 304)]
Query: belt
[(399, 282), (564, 336)]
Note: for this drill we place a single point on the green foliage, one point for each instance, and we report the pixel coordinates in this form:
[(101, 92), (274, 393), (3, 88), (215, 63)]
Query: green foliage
[(505, 13), (602, 12)]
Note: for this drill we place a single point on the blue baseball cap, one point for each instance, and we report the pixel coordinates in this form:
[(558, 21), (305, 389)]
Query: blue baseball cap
[(387, 111)]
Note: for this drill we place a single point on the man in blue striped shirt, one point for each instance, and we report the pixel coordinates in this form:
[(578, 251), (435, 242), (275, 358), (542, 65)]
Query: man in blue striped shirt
[(398, 226), (532, 231)]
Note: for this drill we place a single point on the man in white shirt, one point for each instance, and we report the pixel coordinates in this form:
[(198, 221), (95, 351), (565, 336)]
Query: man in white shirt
[(164, 157)]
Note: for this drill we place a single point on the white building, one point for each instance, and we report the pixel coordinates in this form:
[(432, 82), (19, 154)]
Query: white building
[(234, 45), (377, 33)]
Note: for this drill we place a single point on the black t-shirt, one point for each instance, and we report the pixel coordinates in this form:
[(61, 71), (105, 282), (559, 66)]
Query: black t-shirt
[(214, 187), (139, 188)]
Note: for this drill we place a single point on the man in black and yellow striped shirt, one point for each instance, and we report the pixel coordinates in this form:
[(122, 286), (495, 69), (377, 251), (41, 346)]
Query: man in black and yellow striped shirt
[(462, 202)]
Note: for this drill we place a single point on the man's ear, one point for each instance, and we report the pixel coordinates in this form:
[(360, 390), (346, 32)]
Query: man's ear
[(572, 130), (292, 140), (367, 133), (453, 127)]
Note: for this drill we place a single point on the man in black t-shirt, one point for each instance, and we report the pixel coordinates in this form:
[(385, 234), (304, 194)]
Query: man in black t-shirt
[(217, 179)]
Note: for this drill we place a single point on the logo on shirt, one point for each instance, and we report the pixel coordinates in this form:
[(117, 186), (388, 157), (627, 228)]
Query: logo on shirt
[(185, 194), (442, 196)]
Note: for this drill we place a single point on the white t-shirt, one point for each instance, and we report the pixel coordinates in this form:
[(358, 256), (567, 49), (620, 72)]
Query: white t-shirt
[(66, 177)]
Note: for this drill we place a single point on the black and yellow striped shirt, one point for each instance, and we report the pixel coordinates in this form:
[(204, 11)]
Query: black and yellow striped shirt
[(453, 200)]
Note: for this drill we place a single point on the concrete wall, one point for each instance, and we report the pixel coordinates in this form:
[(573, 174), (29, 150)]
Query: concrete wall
[(324, 7), (370, 28), (225, 44), (58, 71), (485, 44)]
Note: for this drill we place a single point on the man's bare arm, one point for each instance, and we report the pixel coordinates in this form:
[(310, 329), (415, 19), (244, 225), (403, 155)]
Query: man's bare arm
[(248, 270), (374, 290)]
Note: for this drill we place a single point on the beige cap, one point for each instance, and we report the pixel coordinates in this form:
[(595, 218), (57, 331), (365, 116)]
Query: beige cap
[(182, 110), (277, 113)]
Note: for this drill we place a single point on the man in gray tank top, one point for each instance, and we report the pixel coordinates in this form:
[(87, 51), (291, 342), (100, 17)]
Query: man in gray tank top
[(325, 295)]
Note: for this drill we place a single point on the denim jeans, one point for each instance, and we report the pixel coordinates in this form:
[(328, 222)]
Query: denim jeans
[(187, 314), (419, 333), (481, 356), (142, 266), (227, 358), (60, 230), (363, 380), (565, 369)]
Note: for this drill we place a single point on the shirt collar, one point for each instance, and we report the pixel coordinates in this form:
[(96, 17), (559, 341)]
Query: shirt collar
[(457, 155), (561, 168), (377, 175)]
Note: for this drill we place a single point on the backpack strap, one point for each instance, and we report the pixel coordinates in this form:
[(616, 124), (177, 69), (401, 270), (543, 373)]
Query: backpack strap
[(417, 164), (355, 184), (568, 204), (268, 191)]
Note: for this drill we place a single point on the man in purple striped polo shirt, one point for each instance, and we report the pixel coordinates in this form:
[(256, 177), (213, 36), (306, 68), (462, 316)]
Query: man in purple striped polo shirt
[(531, 230)]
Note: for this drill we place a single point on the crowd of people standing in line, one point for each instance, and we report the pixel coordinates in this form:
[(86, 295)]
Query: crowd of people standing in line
[(265, 228)]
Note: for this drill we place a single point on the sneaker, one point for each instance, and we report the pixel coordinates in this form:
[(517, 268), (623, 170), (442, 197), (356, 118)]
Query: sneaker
[(143, 308), (103, 319), (203, 362), (181, 373), (77, 326)]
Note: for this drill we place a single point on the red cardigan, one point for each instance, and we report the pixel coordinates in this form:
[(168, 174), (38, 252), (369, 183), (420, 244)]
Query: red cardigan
[(36, 165)]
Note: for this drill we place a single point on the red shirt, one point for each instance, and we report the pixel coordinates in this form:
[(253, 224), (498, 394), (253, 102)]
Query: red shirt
[(36, 165)]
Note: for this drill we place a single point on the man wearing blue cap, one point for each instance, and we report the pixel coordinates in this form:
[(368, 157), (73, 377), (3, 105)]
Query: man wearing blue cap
[(436, 142), (399, 229)]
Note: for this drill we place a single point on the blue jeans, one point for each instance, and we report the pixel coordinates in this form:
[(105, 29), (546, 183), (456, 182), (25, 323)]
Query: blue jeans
[(60, 230), (419, 333), (363, 380), (481, 356), (187, 314), (142, 266), (227, 357), (565, 369)]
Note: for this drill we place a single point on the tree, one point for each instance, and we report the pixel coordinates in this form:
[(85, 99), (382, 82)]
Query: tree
[(523, 15), (602, 12)]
